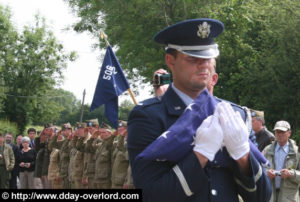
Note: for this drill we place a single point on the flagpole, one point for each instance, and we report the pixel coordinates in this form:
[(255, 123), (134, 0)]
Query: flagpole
[(132, 96), (82, 105), (103, 36)]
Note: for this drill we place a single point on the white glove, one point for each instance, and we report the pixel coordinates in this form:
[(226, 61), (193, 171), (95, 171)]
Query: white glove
[(209, 137), (235, 131)]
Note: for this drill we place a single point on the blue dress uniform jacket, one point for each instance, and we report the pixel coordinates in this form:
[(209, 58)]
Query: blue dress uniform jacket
[(164, 181)]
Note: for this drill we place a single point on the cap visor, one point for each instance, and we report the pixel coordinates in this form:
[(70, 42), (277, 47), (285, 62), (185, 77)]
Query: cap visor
[(205, 54), (281, 128)]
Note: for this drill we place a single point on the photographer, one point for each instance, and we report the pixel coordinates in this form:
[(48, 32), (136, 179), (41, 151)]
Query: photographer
[(161, 80), (27, 164), (284, 172)]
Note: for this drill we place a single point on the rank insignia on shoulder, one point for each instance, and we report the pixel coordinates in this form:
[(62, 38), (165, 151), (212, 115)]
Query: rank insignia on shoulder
[(177, 108)]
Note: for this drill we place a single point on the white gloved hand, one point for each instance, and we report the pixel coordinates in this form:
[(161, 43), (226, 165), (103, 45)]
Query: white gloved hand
[(209, 137), (235, 131)]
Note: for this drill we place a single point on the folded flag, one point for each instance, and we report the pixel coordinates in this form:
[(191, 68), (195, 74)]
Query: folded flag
[(177, 141)]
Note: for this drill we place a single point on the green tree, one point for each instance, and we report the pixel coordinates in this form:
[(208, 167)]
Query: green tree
[(259, 62), (8, 38), (32, 66)]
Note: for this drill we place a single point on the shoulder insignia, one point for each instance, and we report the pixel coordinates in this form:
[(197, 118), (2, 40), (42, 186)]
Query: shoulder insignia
[(150, 101)]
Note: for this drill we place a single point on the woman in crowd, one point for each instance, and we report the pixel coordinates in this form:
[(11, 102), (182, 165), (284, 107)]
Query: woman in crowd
[(27, 165)]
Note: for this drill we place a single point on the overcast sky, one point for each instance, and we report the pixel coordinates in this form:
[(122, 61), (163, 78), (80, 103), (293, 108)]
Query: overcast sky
[(81, 74)]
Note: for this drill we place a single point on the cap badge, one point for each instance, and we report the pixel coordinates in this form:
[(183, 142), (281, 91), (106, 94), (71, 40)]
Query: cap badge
[(204, 30)]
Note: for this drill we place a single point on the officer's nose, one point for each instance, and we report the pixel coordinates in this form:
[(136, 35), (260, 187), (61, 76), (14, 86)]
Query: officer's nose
[(203, 62)]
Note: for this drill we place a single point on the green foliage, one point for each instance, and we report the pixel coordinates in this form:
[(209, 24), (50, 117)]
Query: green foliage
[(31, 64), (36, 127), (260, 51), (6, 126)]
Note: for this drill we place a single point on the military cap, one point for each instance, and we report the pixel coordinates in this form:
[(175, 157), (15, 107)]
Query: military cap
[(66, 126), (194, 37), (48, 125), (104, 125), (122, 123), (258, 115), (282, 125), (82, 125), (93, 122)]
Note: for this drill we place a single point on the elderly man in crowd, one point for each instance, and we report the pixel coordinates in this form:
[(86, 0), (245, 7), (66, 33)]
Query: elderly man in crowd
[(284, 172), (7, 162)]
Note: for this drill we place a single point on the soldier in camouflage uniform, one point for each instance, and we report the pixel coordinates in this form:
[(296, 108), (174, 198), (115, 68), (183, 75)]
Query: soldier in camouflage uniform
[(77, 165), (72, 146), (80, 159), (90, 157), (80, 146), (43, 155), (120, 163), (64, 148), (103, 158), (128, 180), (53, 170)]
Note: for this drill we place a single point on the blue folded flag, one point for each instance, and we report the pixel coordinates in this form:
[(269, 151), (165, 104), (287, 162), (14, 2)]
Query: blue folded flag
[(111, 83), (177, 141)]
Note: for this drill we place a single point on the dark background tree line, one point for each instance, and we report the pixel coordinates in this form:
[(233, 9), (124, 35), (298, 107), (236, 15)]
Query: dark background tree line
[(260, 47)]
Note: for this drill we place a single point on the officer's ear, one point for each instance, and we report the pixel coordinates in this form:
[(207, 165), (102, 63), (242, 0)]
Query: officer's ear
[(170, 61), (214, 79)]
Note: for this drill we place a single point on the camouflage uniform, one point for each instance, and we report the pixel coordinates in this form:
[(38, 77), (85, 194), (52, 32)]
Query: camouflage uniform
[(120, 164), (128, 180), (89, 170), (77, 168), (103, 163), (73, 151), (64, 152), (53, 173), (80, 146), (42, 162)]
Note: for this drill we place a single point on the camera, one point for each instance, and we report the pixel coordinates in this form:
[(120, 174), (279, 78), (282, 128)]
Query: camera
[(162, 79), (277, 173)]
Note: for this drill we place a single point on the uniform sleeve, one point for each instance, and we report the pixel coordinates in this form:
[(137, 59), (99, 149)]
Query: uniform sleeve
[(161, 181), (57, 144), (256, 187), (89, 146), (80, 145)]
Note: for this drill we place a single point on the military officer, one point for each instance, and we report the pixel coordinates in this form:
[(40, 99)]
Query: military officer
[(64, 148), (190, 54), (72, 146), (79, 161), (43, 155), (53, 170), (120, 163), (89, 154), (103, 158)]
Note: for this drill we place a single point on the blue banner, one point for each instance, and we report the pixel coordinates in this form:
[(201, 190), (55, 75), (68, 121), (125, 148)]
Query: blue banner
[(111, 83)]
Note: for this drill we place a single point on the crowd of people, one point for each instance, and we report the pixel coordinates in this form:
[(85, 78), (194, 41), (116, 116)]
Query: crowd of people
[(90, 156), (218, 164)]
